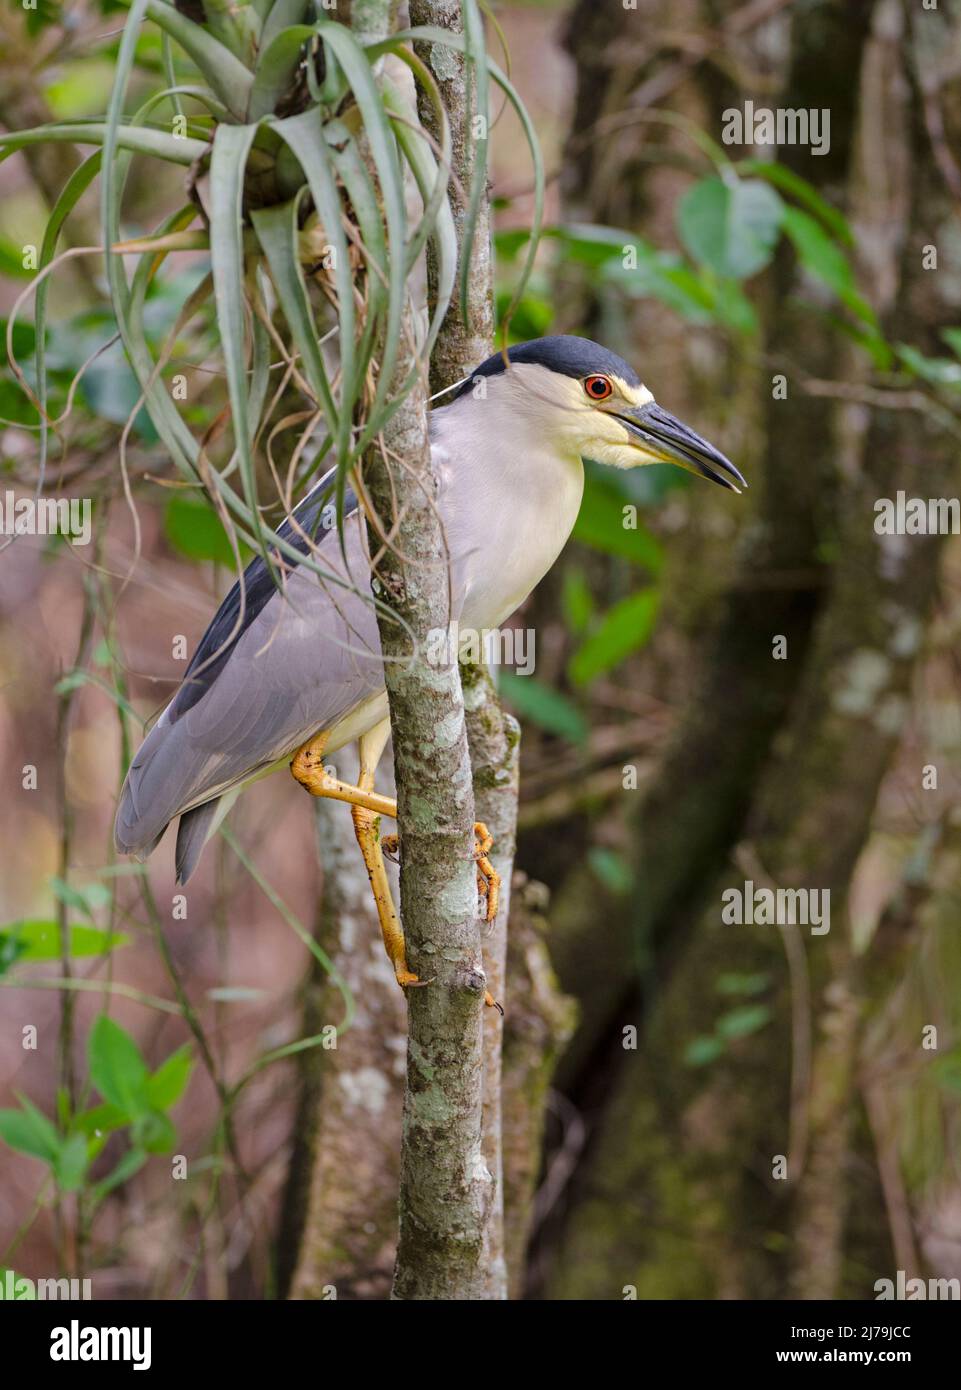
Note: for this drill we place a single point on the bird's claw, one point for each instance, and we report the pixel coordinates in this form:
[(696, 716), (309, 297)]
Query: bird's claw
[(408, 980), (488, 879), (492, 1003)]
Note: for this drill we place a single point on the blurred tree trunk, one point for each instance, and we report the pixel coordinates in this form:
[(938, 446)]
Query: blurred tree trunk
[(678, 1196), (339, 1227)]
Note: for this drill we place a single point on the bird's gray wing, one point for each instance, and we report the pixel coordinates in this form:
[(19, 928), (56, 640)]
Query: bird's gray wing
[(303, 659)]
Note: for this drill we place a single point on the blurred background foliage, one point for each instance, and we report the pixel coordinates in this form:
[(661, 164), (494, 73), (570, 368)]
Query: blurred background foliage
[(787, 307)]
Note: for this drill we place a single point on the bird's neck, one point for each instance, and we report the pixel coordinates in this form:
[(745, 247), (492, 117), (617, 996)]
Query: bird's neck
[(509, 499)]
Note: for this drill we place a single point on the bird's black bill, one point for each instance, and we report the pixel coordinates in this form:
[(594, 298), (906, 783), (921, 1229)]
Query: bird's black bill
[(666, 436)]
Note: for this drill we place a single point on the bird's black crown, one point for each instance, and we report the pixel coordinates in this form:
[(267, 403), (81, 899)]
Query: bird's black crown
[(563, 353)]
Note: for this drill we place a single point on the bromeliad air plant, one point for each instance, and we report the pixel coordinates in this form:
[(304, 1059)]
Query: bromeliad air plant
[(300, 149)]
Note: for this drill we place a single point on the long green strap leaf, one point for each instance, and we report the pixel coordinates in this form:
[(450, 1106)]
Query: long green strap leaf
[(355, 176), (277, 65), (356, 64), (435, 192), (224, 71), (228, 162), (443, 232), (433, 34), (77, 184), (305, 136), (276, 230), (281, 15), (139, 141)]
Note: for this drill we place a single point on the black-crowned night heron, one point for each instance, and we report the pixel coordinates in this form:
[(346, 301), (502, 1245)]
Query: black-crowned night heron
[(291, 675)]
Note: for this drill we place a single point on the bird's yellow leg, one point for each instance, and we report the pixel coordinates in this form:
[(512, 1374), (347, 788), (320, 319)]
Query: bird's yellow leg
[(367, 807), (367, 830), (308, 769)]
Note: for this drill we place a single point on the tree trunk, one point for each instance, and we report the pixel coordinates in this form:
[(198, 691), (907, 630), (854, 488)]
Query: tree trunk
[(339, 1227), (446, 1191)]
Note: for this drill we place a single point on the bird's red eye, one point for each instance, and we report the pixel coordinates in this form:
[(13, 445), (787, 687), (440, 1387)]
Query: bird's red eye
[(598, 387)]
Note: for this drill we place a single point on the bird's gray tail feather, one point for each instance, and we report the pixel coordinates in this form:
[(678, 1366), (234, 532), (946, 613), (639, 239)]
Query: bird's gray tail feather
[(156, 787), (192, 835)]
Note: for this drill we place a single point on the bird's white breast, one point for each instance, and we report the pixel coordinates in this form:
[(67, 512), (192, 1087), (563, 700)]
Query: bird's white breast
[(508, 501)]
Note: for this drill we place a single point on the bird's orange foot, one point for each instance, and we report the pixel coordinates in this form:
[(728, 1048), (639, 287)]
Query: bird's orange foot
[(488, 879), (492, 1003), (408, 980)]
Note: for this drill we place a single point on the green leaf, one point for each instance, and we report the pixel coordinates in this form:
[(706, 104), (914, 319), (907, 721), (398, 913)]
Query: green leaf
[(231, 147), (117, 1068), (432, 33), (131, 1163), (733, 983), (39, 939), (702, 1050), (27, 1292), (71, 193), (789, 182), (112, 392), (624, 629), (278, 62), (154, 1132), (73, 680), (827, 260), (279, 15), (577, 601), (29, 1132), (86, 899), (600, 524), (276, 229), (939, 371), (947, 1071), (224, 72), (354, 174), (169, 1081), (612, 869), (532, 317), (303, 135), (234, 994), (952, 336), (100, 1121), (23, 335), (543, 706), (79, 89), (742, 1021), (11, 260), (593, 245), (731, 307), (71, 1163), (508, 241), (140, 140), (44, 13), (10, 951), (194, 529), (731, 226)]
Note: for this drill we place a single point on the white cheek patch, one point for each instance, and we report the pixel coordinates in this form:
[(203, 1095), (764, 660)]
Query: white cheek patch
[(637, 395)]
